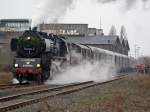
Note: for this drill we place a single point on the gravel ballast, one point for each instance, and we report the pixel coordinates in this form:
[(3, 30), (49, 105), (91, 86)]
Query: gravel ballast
[(131, 94)]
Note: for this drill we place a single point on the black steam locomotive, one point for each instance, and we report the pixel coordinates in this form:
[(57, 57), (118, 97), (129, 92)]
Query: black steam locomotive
[(34, 54), (39, 56)]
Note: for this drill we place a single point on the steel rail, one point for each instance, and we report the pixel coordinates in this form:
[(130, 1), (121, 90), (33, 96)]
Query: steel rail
[(56, 91), (5, 86), (11, 97), (8, 86)]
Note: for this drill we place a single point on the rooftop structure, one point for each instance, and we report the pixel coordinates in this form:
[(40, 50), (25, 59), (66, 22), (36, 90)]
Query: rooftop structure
[(14, 24)]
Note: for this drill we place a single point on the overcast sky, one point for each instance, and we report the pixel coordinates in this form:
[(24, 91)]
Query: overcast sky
[(15, 8), (135, 18)]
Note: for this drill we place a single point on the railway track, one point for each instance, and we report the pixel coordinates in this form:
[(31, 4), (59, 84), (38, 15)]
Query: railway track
[(20, 100), (18, 89), (12, 86)]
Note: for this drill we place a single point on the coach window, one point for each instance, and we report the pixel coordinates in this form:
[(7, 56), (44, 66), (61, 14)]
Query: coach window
[(115, 60), (78, 49), (89, 54), (125, 62), (104, 57), (94, 55), (111, 58), (84, 53), (122, 61), (99, 56), (128, 62), (119, 61)]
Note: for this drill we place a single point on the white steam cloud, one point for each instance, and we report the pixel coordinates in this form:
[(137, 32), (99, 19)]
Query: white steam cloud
[(49, 10), (52, 10), (87, 71), (128, 3), (15, 81)]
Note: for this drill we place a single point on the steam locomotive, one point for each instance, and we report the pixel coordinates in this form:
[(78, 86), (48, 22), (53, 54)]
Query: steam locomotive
[(34, 54), (38, 56)]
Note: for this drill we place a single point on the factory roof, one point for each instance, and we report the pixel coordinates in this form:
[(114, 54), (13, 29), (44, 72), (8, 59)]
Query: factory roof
[(95, 40), (14, 20), (64, 24)]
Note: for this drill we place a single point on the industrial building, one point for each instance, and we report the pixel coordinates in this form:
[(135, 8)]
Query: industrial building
[(5, 38), (70, 30), (81, 34), (108, 42), (11, 28), (15, 25)]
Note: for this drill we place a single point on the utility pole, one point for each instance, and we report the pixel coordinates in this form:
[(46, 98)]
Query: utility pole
[(137, 50), (100, 23)]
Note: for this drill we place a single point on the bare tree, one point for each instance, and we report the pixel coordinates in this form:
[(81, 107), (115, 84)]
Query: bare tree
[(123, 33), (112, 30)]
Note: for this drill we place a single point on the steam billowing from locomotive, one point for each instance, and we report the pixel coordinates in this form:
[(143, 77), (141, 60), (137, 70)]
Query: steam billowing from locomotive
[(86, 71), (54, 10), (49, 10)]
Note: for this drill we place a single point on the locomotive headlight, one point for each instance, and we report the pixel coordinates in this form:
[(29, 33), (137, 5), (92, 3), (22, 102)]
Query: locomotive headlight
[(38, 65), (28, 38), (16, 65)]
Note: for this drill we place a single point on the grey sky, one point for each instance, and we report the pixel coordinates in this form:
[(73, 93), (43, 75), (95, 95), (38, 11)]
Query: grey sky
[(15, 8), (135, 20)]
